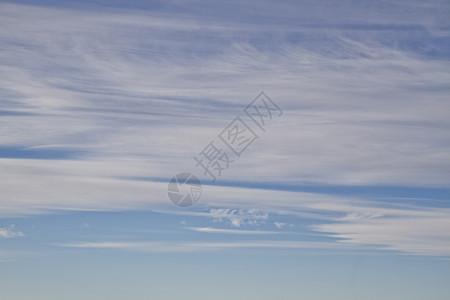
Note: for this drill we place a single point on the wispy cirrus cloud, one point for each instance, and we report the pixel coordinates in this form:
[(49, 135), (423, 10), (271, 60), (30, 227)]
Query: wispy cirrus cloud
[(231, 231), (204, 246), (364, 114), (127, 105), (412, 232)]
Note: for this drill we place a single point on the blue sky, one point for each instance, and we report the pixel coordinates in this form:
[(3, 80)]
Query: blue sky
[(343, 196)]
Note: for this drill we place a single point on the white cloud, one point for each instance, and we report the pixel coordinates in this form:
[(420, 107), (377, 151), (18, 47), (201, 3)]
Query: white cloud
[(279, 224), (230, 231), (405, 228), (10, 232), (412, 232), (139, 96), (238, 217), (38, 186), (377, 117), (206, 246)]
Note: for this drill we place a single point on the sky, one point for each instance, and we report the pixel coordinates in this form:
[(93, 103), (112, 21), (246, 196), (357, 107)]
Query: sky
[(342, 192)]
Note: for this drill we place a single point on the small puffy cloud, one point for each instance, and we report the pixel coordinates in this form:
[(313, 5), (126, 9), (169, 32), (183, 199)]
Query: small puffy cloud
[(238, 217), (279, 224), (10, 232)]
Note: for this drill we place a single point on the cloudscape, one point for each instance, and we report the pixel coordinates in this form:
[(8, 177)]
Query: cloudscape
[(224, 149)]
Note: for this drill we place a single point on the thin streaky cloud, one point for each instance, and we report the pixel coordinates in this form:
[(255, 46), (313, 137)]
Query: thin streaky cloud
[(206, 246), (141, 95), (233, 231)]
